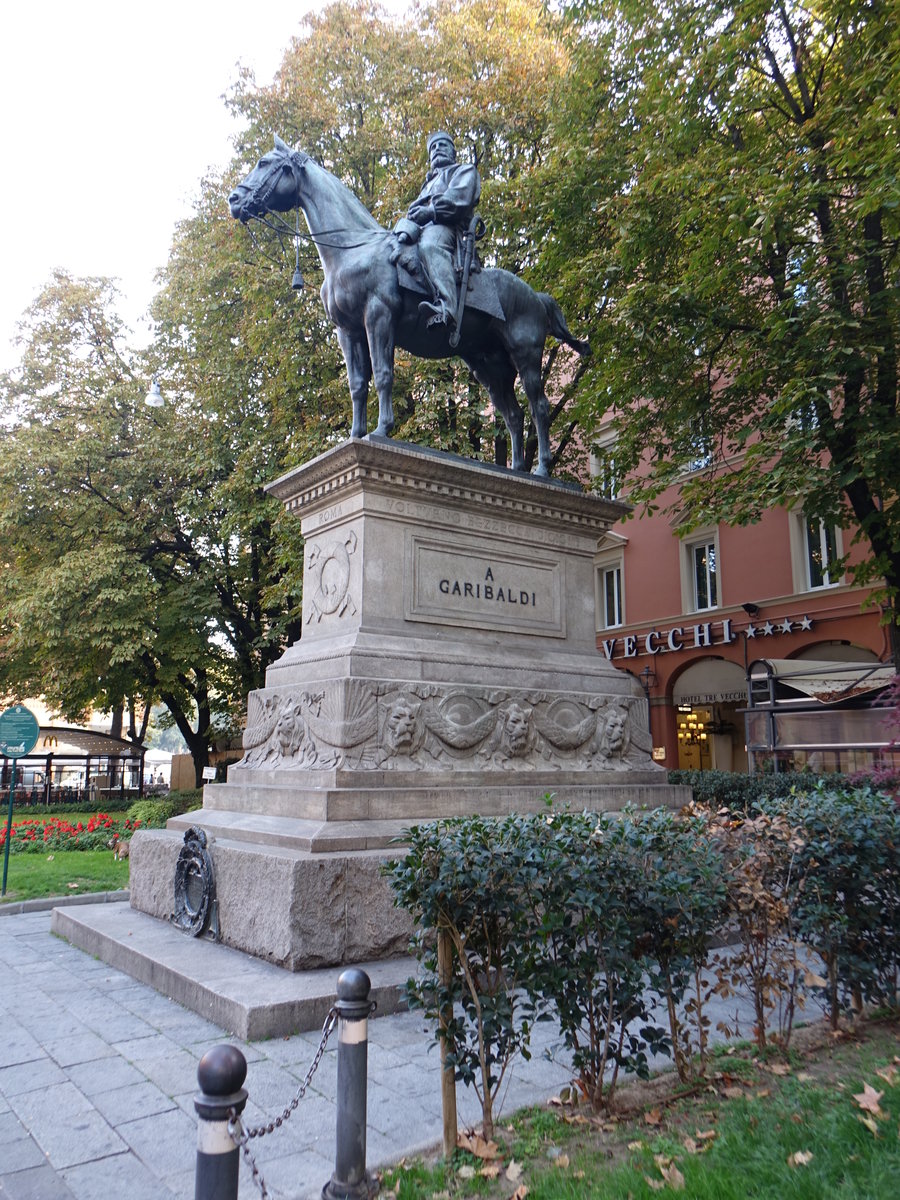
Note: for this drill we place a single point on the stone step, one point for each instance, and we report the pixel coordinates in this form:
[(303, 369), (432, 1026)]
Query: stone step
[(248, 997)]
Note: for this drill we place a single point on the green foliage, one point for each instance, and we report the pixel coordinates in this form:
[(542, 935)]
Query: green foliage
[(723, 196), (740, 792), (152, 814), (594, 919), (845, 892), (465, 879)]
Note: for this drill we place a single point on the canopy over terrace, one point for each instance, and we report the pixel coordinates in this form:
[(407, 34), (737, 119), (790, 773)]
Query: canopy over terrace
[(76, 764), (824, 716)]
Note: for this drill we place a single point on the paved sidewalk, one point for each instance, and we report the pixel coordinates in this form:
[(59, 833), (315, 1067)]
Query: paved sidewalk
[(98, 1075)]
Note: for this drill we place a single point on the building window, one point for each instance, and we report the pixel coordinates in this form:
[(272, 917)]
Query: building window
[(605, 470), (704, 574), (611, 596), (821, 553), (701, 452)]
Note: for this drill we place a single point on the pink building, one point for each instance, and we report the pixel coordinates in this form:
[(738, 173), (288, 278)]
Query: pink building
[(687, 616)]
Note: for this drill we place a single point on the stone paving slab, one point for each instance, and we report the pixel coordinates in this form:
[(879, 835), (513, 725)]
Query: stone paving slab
[(122, 1123)]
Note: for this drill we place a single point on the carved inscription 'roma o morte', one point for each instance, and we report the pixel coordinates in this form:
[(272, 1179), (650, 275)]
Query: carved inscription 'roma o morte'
[(360, 724)]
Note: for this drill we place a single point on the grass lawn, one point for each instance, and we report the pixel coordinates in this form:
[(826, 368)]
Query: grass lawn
[(824, 1123), (63, 873)]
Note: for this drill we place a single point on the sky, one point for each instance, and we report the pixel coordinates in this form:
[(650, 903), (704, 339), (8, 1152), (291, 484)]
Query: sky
[(112, 114)]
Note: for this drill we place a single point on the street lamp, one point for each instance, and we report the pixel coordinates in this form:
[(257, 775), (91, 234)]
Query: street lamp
[(154, 398)]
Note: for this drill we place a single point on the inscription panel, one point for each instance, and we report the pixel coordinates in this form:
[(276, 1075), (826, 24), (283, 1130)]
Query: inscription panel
[(477, 587)]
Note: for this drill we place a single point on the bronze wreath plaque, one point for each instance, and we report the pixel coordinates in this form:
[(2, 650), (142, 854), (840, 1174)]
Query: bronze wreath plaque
[(195, 887)]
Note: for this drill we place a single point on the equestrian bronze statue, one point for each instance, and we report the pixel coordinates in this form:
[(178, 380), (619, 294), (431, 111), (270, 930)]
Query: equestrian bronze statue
[(387, 288)]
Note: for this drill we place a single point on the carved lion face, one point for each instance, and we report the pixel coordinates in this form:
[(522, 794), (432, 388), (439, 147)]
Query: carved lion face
[(515, 729), (400, 728)]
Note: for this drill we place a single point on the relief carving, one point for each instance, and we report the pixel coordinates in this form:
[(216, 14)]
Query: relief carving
[(360, 724), (327, 573)]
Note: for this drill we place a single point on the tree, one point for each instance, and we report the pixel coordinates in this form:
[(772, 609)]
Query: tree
[(726, 206), (132, 572)]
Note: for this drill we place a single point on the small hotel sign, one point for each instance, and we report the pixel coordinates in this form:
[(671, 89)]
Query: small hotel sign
[(694, 637)]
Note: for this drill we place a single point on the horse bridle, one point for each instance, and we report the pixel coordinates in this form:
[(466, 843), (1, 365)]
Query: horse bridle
[(294, 161)]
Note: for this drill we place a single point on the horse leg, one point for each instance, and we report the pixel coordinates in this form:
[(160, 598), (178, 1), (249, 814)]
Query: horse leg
[(498, 375), (529, 366), (380, 333), (359, 373)]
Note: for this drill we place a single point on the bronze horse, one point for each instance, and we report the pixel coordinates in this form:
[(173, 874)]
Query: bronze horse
[(373, 300)]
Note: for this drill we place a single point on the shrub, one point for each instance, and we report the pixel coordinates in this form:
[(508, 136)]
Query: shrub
[(682, 894), (462, 879), (185, 801), (152, 814), (36, 836), (845, 891), (740, 792), (591, 935)]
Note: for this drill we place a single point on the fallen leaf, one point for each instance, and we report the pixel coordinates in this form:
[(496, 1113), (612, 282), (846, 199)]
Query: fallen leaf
[(690, 1145), (673, 1178), (799, 1158), (888, 1074), (520, 1193), (870, 1123), (662, 1160), (653, 1117), (805, 1077), (868, 1099), (732, 1093), (71, 885), (513, 1171), (656, 1184), (796, 1118), (475, 1144), (779, 1068), (578, 1174), (466, 1171), (763, 1092), (490, 1170), (705, 1135), (563, 1161), (635, 1145)]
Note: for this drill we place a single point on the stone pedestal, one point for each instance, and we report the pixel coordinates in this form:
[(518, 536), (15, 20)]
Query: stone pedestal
[(448, 666)]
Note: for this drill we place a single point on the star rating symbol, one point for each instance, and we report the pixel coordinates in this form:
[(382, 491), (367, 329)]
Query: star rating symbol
[(751, 631), (787, 625), (805, 623), (768, 629)]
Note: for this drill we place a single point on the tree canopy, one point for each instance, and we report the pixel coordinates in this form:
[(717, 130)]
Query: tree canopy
[(725, 193)]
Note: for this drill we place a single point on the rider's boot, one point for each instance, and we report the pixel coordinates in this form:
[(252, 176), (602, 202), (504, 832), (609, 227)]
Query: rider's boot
[(438, 312)]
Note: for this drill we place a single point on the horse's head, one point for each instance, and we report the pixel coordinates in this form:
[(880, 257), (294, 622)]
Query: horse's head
[(272, 186)]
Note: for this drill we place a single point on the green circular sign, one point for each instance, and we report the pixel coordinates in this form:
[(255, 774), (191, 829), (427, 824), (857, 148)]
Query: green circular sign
[(19, 731)]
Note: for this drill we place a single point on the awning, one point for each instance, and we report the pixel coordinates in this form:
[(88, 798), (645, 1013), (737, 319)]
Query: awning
[(56, 739), (827, 682)]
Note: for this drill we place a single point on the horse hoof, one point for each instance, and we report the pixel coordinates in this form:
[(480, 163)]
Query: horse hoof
[(357, 433), (383, 431), (542, 471)]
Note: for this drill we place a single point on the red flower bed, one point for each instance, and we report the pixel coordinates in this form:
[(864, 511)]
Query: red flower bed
[(55, 833)]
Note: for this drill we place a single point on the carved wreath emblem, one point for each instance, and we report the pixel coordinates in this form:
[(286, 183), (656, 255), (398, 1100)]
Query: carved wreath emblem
[(328, 571)]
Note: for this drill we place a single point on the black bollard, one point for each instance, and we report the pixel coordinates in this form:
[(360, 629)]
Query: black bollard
[(221, 1074), (351, 1180)]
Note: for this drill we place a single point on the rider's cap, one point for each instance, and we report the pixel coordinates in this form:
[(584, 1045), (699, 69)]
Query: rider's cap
[(439, 134)]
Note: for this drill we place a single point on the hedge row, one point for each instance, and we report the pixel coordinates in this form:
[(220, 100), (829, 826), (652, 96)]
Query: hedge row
[(605, 923)]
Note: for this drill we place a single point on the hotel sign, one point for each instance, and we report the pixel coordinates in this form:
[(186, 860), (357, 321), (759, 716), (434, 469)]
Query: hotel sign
[(695, 637)]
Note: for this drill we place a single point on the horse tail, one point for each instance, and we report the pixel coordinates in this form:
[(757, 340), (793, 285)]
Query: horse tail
[(558, 326)]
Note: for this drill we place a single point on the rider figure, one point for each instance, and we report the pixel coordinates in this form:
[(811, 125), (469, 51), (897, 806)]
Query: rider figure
[(444, 206)]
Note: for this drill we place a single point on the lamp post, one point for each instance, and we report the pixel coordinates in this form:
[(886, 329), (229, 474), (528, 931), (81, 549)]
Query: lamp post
[(154, 398), (647, 680)]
